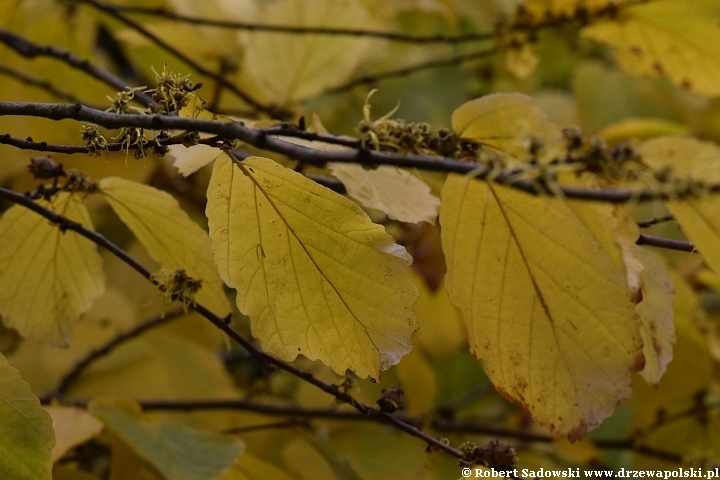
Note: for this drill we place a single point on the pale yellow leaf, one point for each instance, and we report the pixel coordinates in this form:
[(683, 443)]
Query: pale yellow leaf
[(508, 122), (656, 312), (178, 452), (546, 308), (169, 235), (249, 467), (699, 217), (678, 39), (442, 331), (27, 433), (397, 192), (73, 426), (313, 273), (305, 65), (190, 160), (49, 278)]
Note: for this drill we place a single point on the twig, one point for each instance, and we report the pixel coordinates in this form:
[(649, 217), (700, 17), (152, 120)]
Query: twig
[(39, 83), (655, 220), (260, 139), (70, 377), (117, 14), (291, 422), (401, 72), (31, 50), (98, 239), (392, 36), (30, 144), (669, 243), (440, 425)]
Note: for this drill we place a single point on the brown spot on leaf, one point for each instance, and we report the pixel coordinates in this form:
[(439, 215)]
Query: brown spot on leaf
[(636, 50), (638, 364), (686, 85), (658, 68)]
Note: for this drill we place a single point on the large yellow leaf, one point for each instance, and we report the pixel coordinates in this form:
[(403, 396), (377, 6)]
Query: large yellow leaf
[(314, 274), (73, 426), (699, 217), (509, 123), (303, 66), (678, 39), (190, 160), (49, 278), (546, 306), (178, 452), (27, 432), (169, 235)]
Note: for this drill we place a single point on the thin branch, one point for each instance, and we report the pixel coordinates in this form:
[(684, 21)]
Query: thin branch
[(350, 32), (30, 144), (114, 12), (98, 239), (29, 49), (655, 220), (440, 425), (404, 71), (291, 422), (70, 377), (668, 243), (362, 156), (39, 83)]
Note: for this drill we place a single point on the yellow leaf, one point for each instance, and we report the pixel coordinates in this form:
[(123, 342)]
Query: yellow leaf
[(169, 235), (27, 433), (73, 426), (699, 217), (546, 308), (641, 129), (678, 39), (178, 452), (656, 312), (190, 160), (304, 66), (49, 278), (418, 382), (442, 330), (249, 467), (397, 192), (313, 273), (507, 122)]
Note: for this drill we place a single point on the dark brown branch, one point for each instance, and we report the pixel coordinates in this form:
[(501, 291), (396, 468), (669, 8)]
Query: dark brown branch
[(669, 243), (252, 349), (117, 14), (30, 144), (654, 221), (39, 83), (70, 377), (260, 139), (392, 36), (31, 50), (401, 72), (440, 425)]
